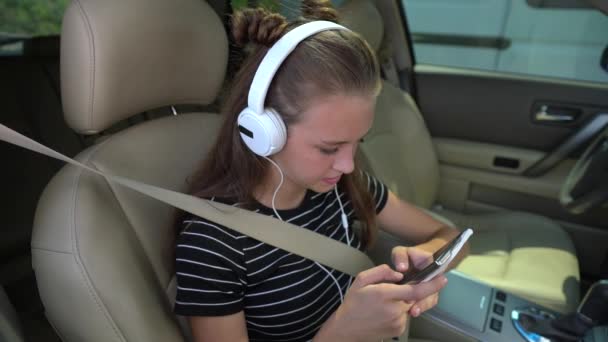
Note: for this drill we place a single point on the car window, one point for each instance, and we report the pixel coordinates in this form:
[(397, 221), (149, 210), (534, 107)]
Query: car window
[(22, 19), (556, 38)]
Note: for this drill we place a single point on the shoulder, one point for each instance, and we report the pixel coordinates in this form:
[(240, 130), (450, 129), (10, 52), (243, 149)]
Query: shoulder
[(199, 237), (377, 189), (194, 225)]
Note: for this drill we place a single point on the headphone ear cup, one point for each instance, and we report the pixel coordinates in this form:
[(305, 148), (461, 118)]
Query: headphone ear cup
[(263, 134), (280, 138)]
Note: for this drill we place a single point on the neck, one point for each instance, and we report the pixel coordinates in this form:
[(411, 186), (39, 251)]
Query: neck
[(289, 196)]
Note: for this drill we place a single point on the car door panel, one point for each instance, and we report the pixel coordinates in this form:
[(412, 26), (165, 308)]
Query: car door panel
[(498, 108), (486, 137), (484, 122), (484, 156)]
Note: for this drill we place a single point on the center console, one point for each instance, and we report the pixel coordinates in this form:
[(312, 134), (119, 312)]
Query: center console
[(469, 310)]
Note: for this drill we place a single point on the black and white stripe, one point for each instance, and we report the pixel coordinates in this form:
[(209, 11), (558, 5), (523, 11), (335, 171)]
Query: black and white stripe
[(284, 296)]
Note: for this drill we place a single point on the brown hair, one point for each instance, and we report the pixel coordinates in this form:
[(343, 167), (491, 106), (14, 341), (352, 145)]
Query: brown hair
[(330, 62)]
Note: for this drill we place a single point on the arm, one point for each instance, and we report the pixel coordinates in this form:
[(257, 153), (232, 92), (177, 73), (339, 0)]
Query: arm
[(375, 307), (412, 224), (209, 269), (219, 328)]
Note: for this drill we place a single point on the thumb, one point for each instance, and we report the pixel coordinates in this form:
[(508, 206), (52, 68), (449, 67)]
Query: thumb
[(378, 274), (400, 258)]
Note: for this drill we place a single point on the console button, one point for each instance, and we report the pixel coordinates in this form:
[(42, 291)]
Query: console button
[(495, 325), (501, 296), (499, 309)]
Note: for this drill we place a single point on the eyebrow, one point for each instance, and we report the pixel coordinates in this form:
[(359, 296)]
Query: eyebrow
[(334, 142), (338, 143)]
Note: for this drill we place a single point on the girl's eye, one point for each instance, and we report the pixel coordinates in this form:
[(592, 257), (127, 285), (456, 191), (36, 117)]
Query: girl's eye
[(328, 151)]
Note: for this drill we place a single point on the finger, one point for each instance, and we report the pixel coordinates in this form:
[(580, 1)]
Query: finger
[(420, 258), (423, 290), (415, 293), (400, 258), (426, 304), (378, 274), (415, 311)]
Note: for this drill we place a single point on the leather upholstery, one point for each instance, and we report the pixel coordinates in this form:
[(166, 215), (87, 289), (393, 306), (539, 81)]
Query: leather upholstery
[(10, 331), (522, 253), (110, 248), (399, 148), (358, 15), (102, 254), (115, 64)]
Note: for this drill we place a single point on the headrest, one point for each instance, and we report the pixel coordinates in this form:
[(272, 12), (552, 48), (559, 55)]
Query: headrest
[(363, 17), (122, 57)]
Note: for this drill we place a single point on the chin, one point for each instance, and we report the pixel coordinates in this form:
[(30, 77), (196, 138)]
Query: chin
[(321, 187)]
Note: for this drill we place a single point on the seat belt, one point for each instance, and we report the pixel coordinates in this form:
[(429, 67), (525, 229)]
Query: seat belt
[(389, 70), (294, 239)]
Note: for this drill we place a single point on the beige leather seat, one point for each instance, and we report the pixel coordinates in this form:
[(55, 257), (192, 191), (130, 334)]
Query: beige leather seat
[(103, 254), (525, 254)]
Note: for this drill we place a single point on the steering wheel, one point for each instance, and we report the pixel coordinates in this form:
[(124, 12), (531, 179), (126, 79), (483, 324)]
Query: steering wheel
[(586, 186)]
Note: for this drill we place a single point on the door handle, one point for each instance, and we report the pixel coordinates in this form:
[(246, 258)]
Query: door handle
[(545, 114)]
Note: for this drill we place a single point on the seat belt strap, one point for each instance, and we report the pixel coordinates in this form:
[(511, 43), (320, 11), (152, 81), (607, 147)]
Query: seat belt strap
[(389, 69), (289, 237)]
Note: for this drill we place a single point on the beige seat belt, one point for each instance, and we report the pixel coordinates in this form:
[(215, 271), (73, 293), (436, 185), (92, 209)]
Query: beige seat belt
[(289, 237)]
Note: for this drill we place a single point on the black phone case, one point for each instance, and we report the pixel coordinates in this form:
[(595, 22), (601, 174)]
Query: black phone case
[(414, 275)]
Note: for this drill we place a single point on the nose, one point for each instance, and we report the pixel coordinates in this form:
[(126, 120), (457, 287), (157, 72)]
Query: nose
[(345, 160)]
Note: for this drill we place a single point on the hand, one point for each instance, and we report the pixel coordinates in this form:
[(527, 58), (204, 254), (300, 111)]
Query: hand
[(425, 304), (406, 257), (375, 307), (403, 258)]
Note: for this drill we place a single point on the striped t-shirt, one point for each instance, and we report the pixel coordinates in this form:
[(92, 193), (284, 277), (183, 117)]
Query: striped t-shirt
[(284, 297)]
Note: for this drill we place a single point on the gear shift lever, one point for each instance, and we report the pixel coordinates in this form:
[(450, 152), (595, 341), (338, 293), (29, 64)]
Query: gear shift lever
[(595, 303), (592, 311)]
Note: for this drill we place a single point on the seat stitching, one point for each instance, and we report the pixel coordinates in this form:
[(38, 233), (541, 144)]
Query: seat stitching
[(81, 268), (50, 250), (91, 93)]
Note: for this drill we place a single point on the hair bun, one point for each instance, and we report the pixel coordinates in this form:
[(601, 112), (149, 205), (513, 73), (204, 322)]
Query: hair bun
[(257, 25), (319, 10)]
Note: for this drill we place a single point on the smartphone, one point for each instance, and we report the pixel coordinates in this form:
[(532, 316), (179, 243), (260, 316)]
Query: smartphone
[(441, 259)]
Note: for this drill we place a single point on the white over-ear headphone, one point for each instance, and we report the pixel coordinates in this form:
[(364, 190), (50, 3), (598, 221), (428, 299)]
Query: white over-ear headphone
[(262, 129)]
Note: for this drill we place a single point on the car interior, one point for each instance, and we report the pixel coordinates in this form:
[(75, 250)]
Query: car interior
[(132, 88)]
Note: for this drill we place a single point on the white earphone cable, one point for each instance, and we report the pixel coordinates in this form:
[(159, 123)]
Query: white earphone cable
[(334, 279), (276, 191), (343, 215), (344, 223)]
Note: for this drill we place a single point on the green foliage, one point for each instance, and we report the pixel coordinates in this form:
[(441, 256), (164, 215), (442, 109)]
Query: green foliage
[(272, 5), (238, 4), (31, 17)]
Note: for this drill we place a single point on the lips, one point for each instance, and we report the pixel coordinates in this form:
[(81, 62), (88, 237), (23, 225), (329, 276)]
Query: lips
[(331, 181)]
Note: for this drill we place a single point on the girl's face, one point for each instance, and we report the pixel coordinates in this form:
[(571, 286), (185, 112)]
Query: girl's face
[(321, 146)]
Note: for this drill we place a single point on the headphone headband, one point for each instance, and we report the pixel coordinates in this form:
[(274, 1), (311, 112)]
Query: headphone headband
[(275, 57)]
